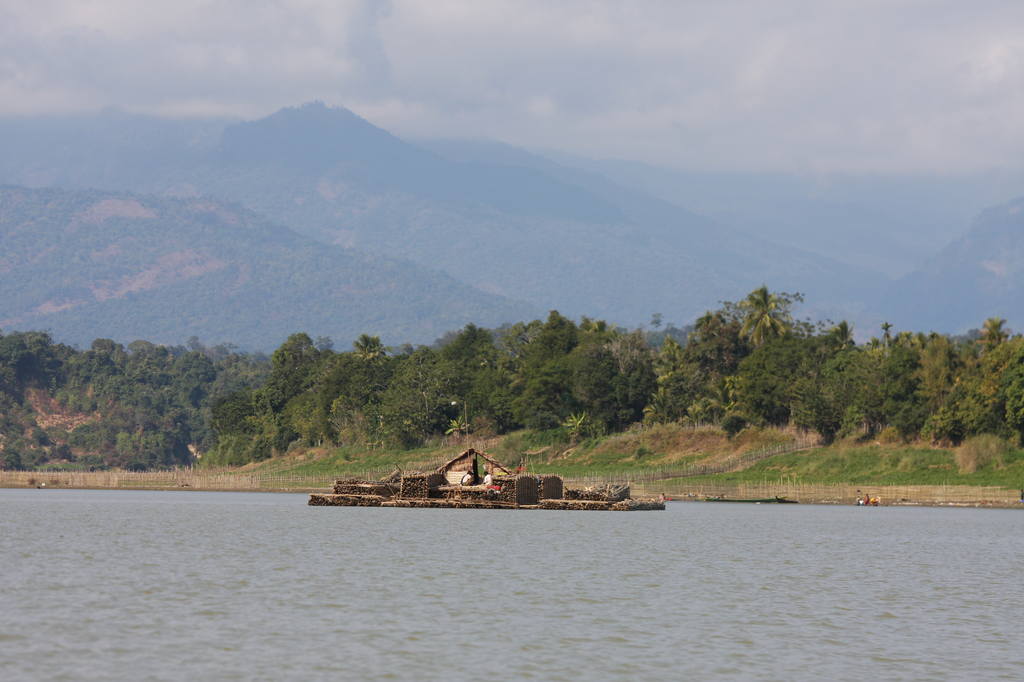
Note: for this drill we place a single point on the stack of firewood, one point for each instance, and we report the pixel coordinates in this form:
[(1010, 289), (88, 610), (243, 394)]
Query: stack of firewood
[(420, 485), (518, 490), (466, 492), (550, 487), (603, 493), (345, 500), (576, 504), (356, 487), (526, 489)]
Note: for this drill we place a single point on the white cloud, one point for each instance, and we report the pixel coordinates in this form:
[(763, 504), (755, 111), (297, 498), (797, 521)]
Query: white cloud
[(841, 85)]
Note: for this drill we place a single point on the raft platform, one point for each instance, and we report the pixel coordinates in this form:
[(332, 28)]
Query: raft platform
[(334, 500), (458, 484)]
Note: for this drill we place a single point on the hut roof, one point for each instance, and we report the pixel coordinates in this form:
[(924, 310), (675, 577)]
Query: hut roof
[(473, 453)]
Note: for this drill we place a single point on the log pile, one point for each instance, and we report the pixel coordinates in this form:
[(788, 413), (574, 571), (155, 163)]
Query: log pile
[(350, 487), (518, 490), (527, 488), (395, 477), (437, 503), (602, 505), (638, 505), (317, 500), (576, 505), (420, 485), (467, 492), (550, 488), (603, 493)]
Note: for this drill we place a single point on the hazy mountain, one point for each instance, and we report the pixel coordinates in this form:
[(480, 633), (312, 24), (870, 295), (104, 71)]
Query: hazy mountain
[(86, 264), (977, 276), (551, 235), (493, 217), (110, 149), (889, 224)]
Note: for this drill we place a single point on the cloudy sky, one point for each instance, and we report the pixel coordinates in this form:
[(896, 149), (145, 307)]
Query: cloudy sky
[(853, 85)]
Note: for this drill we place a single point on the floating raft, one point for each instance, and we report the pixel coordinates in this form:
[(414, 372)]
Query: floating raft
[(458, 484), (759, 500), (335, 500)]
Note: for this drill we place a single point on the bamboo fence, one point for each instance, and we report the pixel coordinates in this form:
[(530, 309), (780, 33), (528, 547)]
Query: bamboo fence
[(817, 493), (180, 479)]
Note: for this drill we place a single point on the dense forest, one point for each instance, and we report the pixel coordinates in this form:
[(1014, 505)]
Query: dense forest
[(140, 407), (747, 363)]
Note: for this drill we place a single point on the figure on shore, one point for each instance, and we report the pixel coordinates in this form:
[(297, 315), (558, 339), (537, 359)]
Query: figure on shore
[(489, 482)]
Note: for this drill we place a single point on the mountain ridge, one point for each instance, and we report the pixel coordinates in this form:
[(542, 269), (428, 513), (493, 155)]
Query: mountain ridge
[(545, 233), (93, 263), (977, 276)]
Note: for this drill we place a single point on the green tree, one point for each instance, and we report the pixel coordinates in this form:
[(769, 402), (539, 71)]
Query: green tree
[(994, 332), (417, 402), (576, 424), (886, 334), (902, 401), (766, 379), (544, 373), (369, 347), (841, 336), (766, 316), (293, 366)]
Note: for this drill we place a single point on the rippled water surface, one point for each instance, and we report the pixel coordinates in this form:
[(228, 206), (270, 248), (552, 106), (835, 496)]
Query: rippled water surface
[(133, 585)]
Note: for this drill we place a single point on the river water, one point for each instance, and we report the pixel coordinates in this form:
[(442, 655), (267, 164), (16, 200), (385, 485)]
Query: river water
[(136, 585)]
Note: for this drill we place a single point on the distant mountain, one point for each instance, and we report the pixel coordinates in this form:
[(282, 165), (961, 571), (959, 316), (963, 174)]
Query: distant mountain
[(977, 276), (887, 223), (554, 236), (493, 217), (86, 264), (107, 150)]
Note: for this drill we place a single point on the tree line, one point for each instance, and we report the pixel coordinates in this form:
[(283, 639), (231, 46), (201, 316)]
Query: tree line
[(749, 362), (746, 363)]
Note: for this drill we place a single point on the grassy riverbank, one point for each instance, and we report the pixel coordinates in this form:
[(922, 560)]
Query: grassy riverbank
[(661, 448), (875, 465), (689, 463), (702, 455)]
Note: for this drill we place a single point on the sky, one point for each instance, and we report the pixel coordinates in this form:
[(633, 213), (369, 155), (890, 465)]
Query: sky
[(899, 86)]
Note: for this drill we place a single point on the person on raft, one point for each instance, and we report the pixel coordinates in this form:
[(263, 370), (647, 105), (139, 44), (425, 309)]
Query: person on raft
[(467, 478)]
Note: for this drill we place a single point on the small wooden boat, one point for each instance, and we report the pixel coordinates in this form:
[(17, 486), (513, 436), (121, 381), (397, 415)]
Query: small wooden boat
[(760, 500)]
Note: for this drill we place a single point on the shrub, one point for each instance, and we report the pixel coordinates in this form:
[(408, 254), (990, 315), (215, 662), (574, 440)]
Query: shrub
[(981, 451), (733, 424), (10, 459), (890, 434)]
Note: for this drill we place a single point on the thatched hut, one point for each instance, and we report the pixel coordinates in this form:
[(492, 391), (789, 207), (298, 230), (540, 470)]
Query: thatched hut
[(474, 461)]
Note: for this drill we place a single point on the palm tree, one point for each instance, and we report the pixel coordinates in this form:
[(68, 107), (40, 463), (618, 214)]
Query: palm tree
[(702, 411), (658, 407), (706, 326), (886, 336), (369, 347), (842, 335), (993, 332), (767, 317)]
